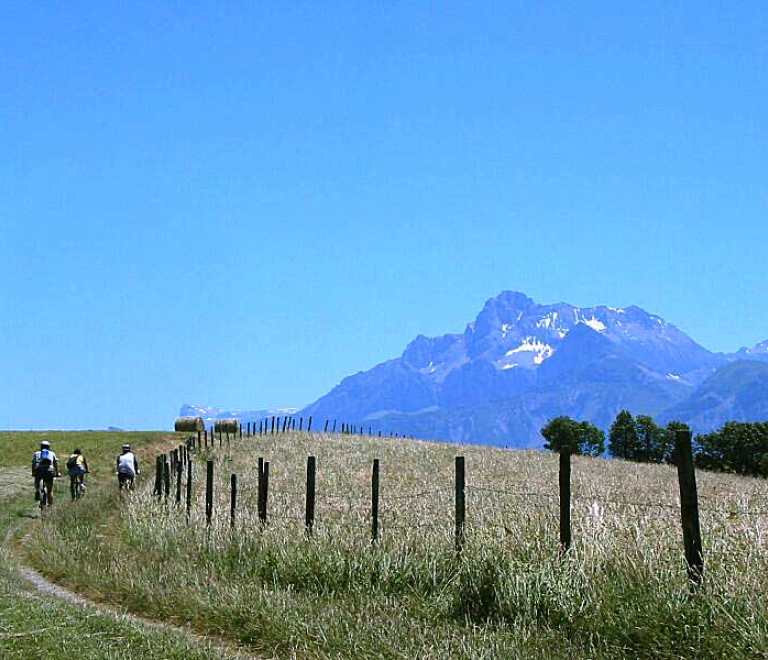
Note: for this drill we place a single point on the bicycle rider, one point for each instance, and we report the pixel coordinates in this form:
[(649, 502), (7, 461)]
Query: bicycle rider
[(45, 467), (77, 468), (127, 468)]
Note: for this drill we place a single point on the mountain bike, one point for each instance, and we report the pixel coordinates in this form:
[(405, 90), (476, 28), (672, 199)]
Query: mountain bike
[(43, 493), (78, 486)]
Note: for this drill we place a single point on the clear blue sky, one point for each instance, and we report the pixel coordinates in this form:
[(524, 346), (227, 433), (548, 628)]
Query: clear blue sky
[(238, 204)]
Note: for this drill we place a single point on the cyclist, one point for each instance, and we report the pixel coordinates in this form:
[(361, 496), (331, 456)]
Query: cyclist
[(77, 468), (45, 467), (127, 468)]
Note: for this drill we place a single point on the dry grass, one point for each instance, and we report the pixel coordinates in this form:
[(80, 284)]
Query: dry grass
[(621, 592)]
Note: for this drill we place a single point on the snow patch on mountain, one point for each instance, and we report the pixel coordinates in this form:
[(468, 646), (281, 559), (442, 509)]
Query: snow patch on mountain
[(540, 350), (594, 323)]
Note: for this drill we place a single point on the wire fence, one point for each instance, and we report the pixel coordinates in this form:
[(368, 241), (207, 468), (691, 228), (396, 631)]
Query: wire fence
[(395, 512)]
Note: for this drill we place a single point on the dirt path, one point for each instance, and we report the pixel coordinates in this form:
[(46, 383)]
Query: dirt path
[(223, 649), (10, 483)]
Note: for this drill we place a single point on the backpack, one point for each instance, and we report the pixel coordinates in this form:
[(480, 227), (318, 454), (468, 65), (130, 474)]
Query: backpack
[(45, 460), (72, 463)]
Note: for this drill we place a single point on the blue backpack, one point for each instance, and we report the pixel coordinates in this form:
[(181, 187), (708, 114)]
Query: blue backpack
[(45, 460)]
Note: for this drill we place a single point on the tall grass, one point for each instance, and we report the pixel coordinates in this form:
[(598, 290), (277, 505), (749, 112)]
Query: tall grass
[(621, 592)]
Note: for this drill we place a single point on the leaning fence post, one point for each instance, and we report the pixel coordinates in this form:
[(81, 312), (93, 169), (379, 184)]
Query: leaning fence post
[(334, 427), (460, 502), (375, 501), (189, 489), (309, 424), (325, 430), (309, 518), (689, 507), (564, 480), (232, 499), (208, 492)]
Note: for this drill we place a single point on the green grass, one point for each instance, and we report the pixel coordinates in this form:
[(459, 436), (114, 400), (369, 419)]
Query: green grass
[(621, 593), (32, 625)]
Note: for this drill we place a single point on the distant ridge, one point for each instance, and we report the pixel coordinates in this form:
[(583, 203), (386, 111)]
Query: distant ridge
[(520, 363)]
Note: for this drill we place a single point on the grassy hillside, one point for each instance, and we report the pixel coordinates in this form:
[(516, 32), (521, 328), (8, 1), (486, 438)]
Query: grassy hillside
[(35, 626), (621, 592)]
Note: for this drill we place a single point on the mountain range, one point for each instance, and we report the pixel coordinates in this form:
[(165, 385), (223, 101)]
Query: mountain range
[(520, 363)]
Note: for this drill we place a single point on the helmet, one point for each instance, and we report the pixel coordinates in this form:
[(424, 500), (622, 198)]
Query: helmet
[(126, 447), (45, 445)]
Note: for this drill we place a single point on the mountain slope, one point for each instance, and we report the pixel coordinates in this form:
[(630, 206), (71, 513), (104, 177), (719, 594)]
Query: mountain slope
[(736, 392), (520, 363)]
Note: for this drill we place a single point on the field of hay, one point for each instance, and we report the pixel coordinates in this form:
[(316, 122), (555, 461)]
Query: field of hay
[(621, 592)]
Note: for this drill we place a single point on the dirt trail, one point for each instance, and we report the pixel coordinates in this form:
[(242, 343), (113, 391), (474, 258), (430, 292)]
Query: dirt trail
[(221, 649)]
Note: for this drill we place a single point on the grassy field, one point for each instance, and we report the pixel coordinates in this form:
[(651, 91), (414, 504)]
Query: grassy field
[(32, 625), (621, 592)]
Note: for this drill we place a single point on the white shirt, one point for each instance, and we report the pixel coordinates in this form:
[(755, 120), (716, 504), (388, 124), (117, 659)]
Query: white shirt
[(126, 464)]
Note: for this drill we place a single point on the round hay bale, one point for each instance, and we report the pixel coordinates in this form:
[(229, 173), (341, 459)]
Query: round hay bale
[(189, 424), (226, 426)]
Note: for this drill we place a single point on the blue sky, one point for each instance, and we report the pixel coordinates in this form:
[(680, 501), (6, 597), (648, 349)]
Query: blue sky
[(238, 204)]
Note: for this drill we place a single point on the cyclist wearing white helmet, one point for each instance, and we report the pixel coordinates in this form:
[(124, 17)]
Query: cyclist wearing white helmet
[(127, 468), (45, 467)]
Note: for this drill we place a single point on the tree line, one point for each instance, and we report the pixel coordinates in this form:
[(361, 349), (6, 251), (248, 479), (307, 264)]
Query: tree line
[(739, 447)]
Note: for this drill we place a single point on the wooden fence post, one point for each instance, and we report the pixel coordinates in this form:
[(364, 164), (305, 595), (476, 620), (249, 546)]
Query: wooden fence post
[(208, 492), (301, 423), (689, 507), (375, 501), (334, 427), (232, 499), (309, 424), (273, 425), (325, 430), (189, 489), (179, 470), (159, 476), (564, 480), (166, 478), (460, 502), (264, 493), (309, 517)]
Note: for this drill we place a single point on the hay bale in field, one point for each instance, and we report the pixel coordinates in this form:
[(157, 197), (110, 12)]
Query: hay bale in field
[(189, 424), (226, 426)]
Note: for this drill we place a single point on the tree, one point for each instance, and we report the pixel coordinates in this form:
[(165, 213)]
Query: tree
[(668, 440), (738, 447), (583, 437), (649, 440), (622, 441)]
